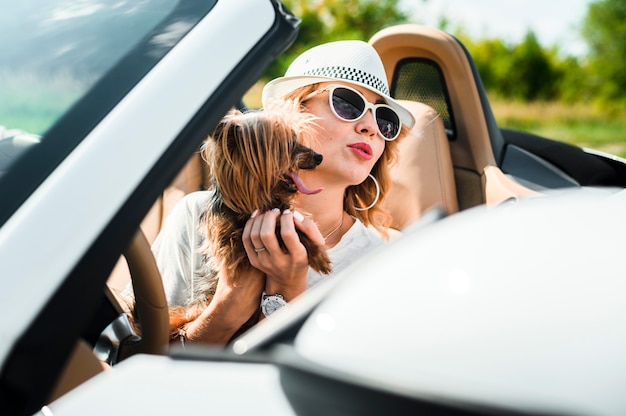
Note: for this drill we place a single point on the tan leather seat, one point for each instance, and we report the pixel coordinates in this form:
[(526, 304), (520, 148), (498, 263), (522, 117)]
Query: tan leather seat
[(424, 176), (190, 179), (500, 188), (428, 65)]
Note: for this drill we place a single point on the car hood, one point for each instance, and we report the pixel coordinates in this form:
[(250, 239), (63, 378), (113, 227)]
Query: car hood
[(149, 384), (519, 307)]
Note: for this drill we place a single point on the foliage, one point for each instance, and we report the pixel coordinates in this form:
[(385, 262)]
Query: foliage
[(329, 20), (605, 31), (525, 71), (580, 124), (572, 81), (491, 57), (529, 71), (532, 75)]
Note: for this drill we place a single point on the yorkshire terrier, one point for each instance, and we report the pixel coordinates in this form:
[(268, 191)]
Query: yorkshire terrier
[(253, 160)]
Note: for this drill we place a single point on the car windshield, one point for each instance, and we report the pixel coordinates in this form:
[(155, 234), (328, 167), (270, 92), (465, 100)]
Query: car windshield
[(54, 52)]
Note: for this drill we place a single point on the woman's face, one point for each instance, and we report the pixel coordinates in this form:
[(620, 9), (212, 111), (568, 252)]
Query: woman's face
[(350, 149)]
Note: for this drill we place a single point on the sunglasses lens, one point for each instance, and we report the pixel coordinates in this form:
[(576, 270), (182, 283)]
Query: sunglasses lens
[(388, 122), (347, 104)]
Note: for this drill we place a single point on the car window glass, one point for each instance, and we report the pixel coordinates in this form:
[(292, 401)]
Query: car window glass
[(52, 54)]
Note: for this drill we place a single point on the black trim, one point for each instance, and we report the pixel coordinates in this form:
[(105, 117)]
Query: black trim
[(587, 169), (39, 355), (533, 171), (418, 85), (495, 137)]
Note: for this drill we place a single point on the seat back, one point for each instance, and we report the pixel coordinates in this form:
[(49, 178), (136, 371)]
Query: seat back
[(423, 178), (428, 65), (191, 178)]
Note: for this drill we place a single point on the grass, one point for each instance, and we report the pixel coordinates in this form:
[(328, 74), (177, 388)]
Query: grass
[(580, 124)]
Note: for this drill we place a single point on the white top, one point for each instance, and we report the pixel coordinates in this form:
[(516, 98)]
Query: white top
[(181, 262)]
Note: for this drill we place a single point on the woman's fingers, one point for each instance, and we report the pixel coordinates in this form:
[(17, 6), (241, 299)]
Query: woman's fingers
[(249, 246), (309, 227), (260, 230), (264, 231), (259, 238), (290, 237), (286, 268)]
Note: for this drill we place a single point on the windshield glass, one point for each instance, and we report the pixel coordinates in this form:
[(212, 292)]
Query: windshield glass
[(53, 52)]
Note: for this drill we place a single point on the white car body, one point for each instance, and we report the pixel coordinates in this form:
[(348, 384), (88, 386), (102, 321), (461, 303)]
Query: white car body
[(513, 308)]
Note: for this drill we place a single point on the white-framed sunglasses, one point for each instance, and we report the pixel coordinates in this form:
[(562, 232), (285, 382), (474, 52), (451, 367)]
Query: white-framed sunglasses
[(348, 104)]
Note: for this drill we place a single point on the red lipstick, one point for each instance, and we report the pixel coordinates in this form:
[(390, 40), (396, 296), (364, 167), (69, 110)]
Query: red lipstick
[(362, 149)]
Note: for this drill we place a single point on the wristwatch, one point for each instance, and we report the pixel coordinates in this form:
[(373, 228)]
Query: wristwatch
[(271, 303)]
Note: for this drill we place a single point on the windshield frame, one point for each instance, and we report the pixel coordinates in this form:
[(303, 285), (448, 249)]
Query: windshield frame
[(61, 245), (35, 165)]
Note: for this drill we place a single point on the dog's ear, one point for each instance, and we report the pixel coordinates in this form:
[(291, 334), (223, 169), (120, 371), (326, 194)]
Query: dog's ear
[(229, 118), (218, 132), (234, 144), (226, 122)]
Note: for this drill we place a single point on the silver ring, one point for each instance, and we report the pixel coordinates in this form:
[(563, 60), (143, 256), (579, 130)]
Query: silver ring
[(258, 250)]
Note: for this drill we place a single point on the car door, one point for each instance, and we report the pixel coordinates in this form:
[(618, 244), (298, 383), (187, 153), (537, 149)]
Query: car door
[(72, 201)]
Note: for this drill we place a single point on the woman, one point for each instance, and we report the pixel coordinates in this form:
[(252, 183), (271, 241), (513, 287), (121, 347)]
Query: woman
[(344, 85)]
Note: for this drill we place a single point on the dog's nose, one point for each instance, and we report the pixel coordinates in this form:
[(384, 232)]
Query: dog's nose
[(318, 159)]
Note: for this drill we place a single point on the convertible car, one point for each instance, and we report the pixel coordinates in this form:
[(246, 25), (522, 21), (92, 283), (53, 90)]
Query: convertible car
[(502, 294)]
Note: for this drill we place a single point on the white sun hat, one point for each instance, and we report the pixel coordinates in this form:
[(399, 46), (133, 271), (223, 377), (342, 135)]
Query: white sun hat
[(351, 61)]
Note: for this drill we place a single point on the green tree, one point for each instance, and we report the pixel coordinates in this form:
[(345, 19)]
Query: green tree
[(531, 76), (493, 62), (571, 85), (604, 29), (330, 20), (525, 71)]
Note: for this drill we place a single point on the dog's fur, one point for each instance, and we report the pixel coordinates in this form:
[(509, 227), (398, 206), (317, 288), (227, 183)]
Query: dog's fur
[(253, 160)]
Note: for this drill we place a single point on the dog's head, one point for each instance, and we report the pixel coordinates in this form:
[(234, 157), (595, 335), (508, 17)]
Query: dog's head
[(254, 158)]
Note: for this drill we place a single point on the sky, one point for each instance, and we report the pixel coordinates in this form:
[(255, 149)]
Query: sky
[(554, 22)]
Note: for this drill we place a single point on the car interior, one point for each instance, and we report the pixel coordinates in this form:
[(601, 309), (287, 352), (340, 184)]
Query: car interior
[(448, 159), (455, 158)]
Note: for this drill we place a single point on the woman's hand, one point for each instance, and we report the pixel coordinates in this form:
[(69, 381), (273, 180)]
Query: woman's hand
[(286, 272), (274, 271)]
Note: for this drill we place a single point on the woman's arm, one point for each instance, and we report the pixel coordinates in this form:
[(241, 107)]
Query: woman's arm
[(273, 271), (231, 307)]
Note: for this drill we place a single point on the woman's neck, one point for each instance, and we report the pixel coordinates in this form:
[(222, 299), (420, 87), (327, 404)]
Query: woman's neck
[(327, 211)]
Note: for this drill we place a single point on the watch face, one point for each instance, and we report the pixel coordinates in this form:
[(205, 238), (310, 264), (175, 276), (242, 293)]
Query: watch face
[(271, 304)]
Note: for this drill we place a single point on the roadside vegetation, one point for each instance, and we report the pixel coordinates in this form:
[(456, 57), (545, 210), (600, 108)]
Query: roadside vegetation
[(532, 87), (579, 124)]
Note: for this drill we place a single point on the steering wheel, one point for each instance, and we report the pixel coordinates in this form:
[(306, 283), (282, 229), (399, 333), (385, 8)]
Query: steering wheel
[(151, 308)]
